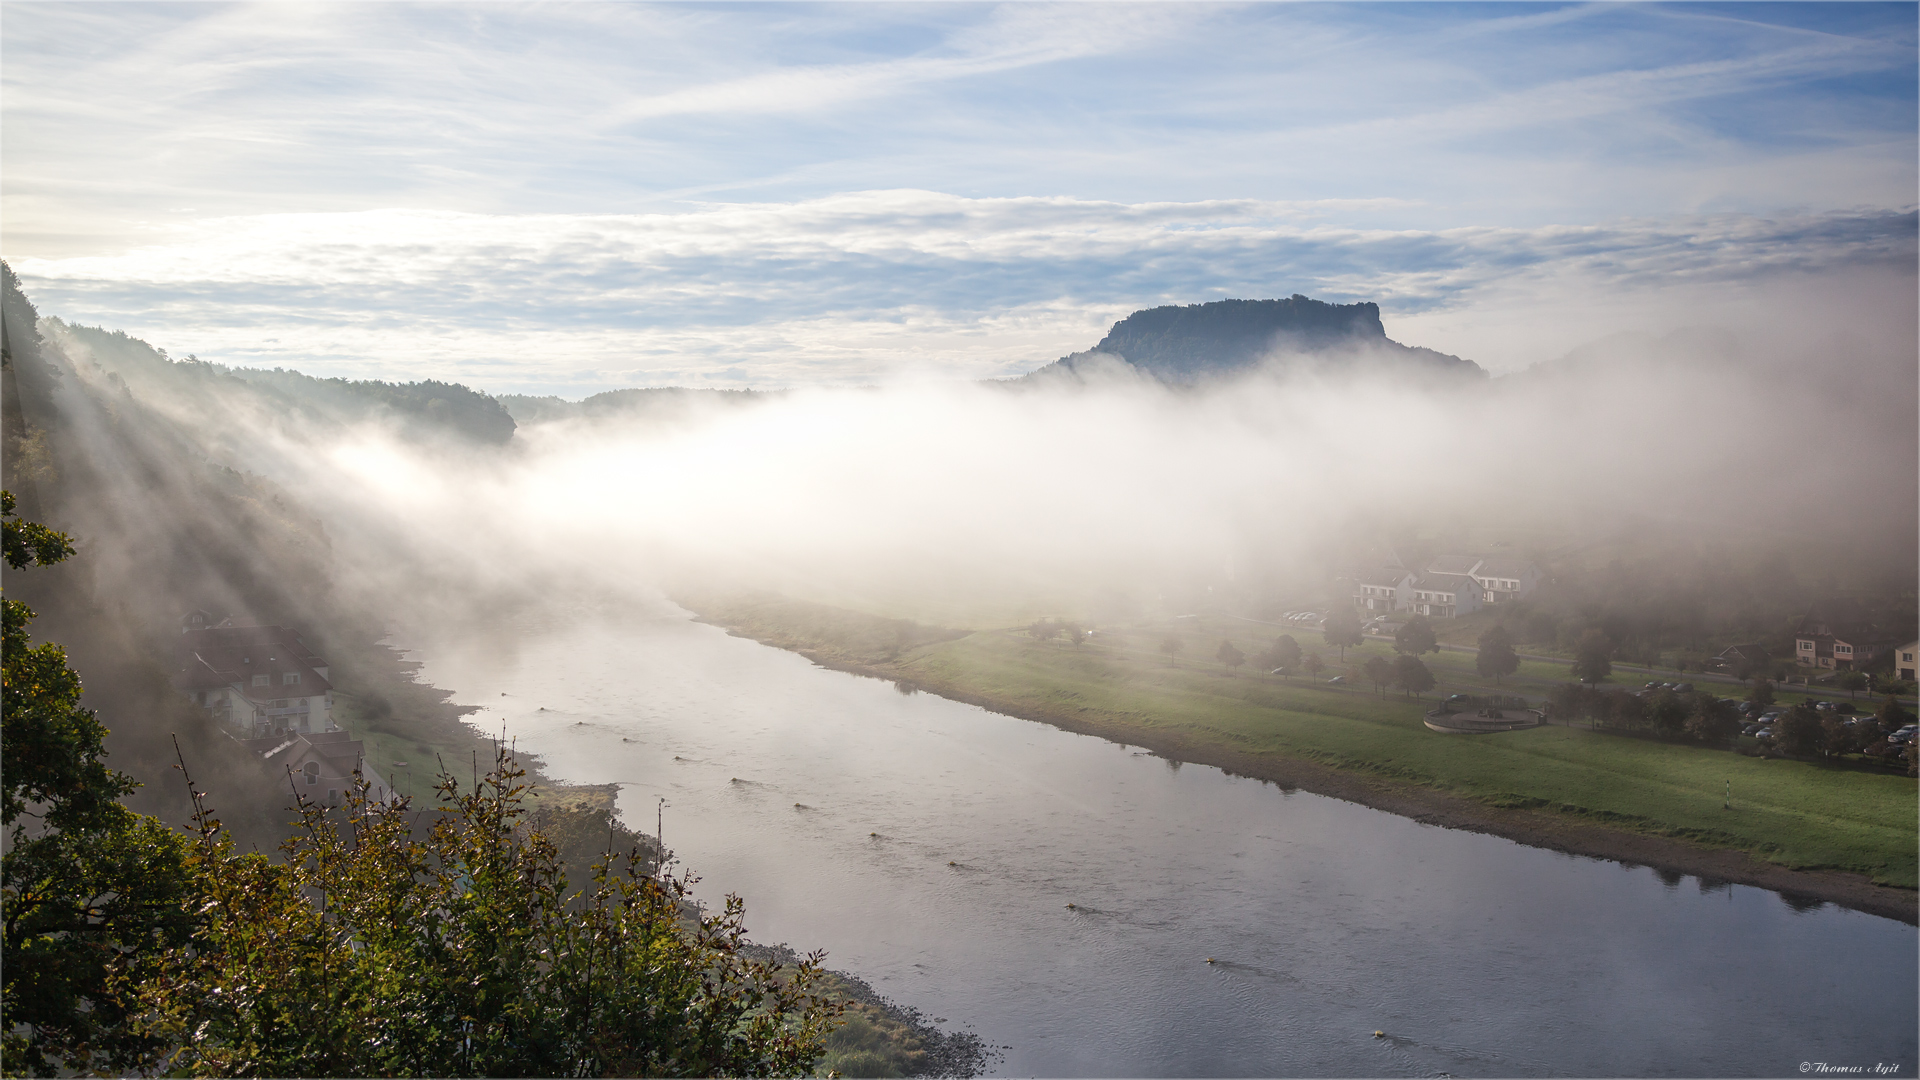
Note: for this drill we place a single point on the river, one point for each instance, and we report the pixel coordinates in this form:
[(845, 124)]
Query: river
[(934, 848)]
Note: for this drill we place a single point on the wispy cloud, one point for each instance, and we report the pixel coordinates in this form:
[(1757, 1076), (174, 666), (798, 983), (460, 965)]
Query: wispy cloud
[(848, 288)]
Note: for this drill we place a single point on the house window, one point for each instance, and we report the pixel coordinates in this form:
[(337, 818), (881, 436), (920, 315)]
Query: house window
[(262, 680), (312, 769), (1806, 646), (291, 678)]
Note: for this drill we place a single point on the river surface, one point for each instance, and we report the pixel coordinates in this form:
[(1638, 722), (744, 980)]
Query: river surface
[(933, 848)]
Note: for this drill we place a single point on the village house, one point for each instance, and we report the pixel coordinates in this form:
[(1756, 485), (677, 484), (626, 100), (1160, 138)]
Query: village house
[(1445, 596), (1903, 660), (1831, 638), (1451, 585), (256, 681), (321, 765)]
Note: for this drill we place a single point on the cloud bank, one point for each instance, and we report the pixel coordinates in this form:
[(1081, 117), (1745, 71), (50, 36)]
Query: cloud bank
[(873, 286)]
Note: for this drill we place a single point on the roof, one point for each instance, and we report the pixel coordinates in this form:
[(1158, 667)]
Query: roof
[(1511, 566), (1453, 564), (1385, 575), (1453, 583), (231, 655)]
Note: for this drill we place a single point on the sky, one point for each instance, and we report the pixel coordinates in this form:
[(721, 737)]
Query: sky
[(564, 199)]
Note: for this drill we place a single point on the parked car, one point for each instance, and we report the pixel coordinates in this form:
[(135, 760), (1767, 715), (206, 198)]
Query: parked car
[(1684, 688), (1764, 733), (1651, 686), (1338, 680)]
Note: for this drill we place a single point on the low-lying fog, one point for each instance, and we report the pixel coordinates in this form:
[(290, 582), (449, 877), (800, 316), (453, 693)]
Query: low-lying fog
[(943, 494)]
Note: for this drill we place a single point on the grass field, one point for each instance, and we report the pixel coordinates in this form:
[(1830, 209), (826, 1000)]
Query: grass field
[(1798, 814)]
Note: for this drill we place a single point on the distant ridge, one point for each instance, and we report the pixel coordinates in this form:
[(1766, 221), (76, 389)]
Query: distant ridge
[(1188, 344)]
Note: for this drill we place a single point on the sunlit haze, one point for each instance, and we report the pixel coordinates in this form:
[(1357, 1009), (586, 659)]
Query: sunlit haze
[(566, 199)]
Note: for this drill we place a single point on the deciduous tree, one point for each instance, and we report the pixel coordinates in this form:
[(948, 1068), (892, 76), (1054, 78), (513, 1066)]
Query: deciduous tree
[(1593, 657), (1798, 731), (1379, 671), (90, 885), (1229, 656), (1497, 658), (1411, 675), (1342, 629), (1415, 636), (1172, 645)]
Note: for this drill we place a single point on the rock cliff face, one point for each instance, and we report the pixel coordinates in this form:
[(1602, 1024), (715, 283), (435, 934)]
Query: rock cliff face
[(1189, 344)]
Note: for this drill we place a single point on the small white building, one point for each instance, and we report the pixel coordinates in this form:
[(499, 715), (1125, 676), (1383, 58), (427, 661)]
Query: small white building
[(257, 681)]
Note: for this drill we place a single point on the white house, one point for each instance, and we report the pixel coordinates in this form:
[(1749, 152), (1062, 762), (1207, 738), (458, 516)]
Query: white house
[(257, 681), (1454, 584), (1445, 596), (1903, 660), (1389, 588)]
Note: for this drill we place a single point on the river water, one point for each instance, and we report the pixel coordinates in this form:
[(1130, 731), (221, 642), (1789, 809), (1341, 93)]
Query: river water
[(933, 848)]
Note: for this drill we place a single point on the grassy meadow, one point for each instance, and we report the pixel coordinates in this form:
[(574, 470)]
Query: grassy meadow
[(1799, 814)]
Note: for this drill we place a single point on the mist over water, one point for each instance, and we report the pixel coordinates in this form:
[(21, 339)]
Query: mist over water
[(1110, 497), (933, 848)]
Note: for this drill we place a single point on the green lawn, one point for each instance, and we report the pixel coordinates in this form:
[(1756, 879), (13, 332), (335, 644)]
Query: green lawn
[(1795, 813)]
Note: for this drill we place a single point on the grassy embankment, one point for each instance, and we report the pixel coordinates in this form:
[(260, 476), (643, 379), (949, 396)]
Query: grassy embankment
[(1800, 815)]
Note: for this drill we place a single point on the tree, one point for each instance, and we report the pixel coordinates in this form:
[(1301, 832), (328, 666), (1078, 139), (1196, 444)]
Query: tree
[(1836, 737), (1761, 694), (1667, 711), (1313, 664), (1893, 715), (1627, 711), (92, 885), (1497, 658), (1798, 732), (1172, 646), (1044, 630), (1593, 657), (1286, 652), (1075, 633), (462, 954), (1712, 721), (1229, 656), (1341, 629), (1852, 682), (1411, 675), (1415, 636), (1379, 671)]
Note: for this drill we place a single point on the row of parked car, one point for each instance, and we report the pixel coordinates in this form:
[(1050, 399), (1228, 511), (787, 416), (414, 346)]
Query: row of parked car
[(1302, 616)]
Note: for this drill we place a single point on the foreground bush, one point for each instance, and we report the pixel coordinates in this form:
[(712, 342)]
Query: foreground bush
[(373, 952)]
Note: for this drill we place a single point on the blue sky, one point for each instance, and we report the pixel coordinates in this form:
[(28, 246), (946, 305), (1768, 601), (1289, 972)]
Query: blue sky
[(568, 198)]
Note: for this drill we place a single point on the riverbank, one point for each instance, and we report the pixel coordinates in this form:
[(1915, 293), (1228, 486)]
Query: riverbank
[(1805, 832)]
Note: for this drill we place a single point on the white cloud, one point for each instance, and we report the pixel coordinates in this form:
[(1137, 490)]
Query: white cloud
[(856, 287)]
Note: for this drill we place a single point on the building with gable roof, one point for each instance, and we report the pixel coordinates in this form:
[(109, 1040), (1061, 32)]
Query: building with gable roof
[(321, 765), (1450, 586), (1835, 635), (256, 681)]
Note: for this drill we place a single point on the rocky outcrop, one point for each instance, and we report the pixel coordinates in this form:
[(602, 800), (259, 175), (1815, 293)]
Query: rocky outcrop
[(1193, 343)]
